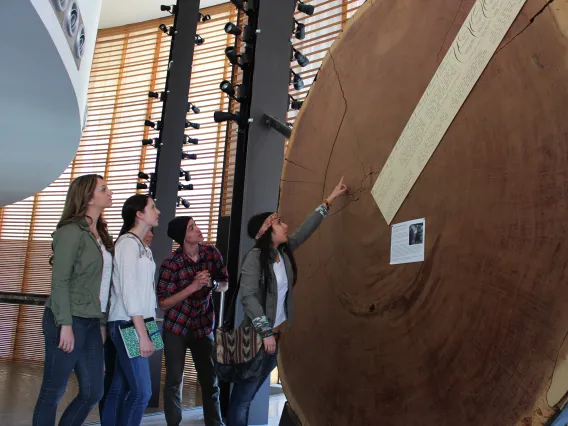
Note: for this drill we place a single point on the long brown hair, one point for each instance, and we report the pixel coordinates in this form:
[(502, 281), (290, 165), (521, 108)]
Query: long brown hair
[(264, 243), (76, 203)]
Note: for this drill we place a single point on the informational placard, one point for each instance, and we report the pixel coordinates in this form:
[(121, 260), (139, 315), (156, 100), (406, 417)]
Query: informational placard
[(467, 57), (407, 242)]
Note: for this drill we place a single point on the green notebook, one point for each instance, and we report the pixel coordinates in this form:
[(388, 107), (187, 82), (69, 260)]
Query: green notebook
[(130, 337)]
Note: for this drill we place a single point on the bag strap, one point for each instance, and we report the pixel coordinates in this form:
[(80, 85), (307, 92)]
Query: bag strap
[(232, 307)]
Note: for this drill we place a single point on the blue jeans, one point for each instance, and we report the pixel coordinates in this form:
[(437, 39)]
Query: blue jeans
[(110, 362), (87, 361), (243, 393), (131, 386), (562, 419)]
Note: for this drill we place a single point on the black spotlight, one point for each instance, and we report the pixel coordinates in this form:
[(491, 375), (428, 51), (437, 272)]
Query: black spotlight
[(187, 156), (169, 31), (241, 93), (193, 108), (300, 32), (154, 125), (231, 28), (182, 187), (161, 96), (185, 174), (187, 139), (142, 175), (234, 58), (154, 142), (308, 9), (141, 186), (183, 202), (192, 125), (227, 87), (220, 116), (232, 55), (198, 40), (298, 82), (238, 4), (172, 9), (295, 104), (203, 18), (301, 59)]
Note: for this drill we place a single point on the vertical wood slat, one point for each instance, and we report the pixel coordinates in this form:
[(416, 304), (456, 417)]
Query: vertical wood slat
[(1, 219), (344, 10), (116, 103), (223, 97), (25, 279), (150, 103)]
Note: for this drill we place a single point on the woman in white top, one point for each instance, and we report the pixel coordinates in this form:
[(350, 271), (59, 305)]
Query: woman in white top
[(268, 275), (133, 299)]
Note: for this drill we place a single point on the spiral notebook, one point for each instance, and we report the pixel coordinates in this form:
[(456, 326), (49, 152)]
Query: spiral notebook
[(130, 337)]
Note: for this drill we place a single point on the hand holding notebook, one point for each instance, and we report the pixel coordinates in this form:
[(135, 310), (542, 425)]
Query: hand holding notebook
[(131, 340)]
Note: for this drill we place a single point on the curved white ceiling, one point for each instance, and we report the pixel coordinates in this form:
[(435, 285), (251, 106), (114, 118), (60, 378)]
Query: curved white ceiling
[(122, 12), (43, 95)]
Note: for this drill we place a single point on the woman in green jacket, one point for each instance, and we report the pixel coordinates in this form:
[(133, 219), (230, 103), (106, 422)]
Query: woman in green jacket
[(73, 321)]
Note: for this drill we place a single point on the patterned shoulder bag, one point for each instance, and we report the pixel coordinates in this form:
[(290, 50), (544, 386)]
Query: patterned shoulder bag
[(238, 354)]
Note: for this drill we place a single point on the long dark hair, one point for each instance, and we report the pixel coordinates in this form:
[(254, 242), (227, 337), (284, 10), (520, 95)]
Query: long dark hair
[(136, 203), (265, 244), (76, 203)]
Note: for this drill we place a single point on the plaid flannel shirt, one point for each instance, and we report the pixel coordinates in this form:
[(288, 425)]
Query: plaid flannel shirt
[(194, 316)]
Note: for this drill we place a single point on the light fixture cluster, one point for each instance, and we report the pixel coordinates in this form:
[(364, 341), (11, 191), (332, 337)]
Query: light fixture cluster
[(146, 181), (186, 175), (242, 58), (171, 31), (299, 32)]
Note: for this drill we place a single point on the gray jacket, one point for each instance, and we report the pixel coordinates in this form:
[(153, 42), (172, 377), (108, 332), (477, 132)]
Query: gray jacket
[(252, 290)]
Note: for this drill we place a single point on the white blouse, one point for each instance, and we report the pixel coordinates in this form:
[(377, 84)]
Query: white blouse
[(282, 280), (107, 274), (133, 291)]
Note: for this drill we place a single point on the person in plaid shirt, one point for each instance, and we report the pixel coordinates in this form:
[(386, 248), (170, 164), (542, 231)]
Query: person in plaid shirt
[(187, 279)]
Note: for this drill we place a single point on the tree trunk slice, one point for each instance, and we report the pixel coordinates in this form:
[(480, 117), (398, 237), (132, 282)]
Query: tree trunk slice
[(471, 336)]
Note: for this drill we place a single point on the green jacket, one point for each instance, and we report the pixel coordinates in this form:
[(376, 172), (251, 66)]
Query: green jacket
[(77, 274)]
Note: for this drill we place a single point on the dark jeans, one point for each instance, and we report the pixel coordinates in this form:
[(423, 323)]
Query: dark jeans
[(87, 361), (175, 348), (244, 392), (131, 386), (110, 361)]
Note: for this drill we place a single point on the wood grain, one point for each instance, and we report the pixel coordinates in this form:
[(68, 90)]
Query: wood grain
[(471, 335)]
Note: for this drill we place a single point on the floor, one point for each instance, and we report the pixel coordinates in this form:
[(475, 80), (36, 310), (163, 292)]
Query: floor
[(20, 383)]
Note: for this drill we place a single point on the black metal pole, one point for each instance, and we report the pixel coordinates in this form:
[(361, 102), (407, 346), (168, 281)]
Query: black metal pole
[(260, 151), (168, 160)]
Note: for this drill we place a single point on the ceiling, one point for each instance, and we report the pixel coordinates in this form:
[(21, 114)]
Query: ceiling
[(122, 12)]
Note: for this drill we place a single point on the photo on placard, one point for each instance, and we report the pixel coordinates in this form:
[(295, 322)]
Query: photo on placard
[(416, 234)]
